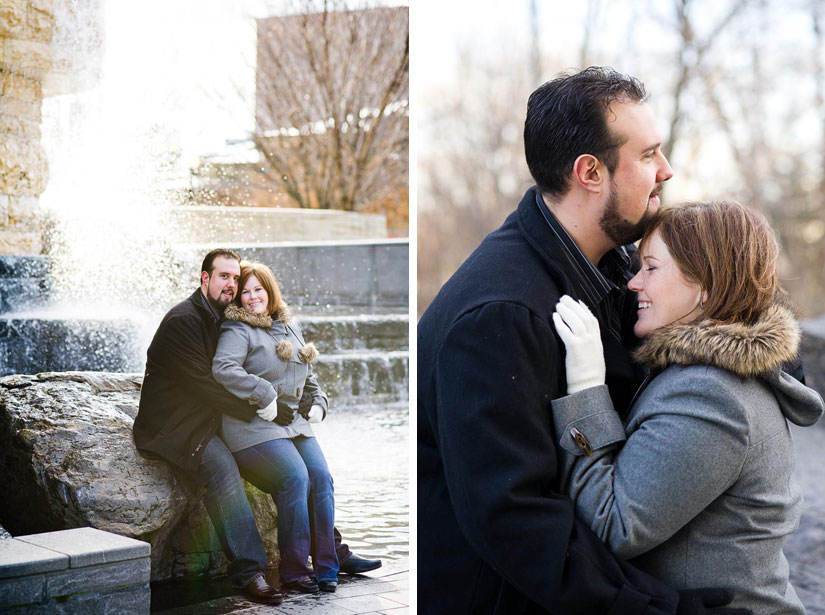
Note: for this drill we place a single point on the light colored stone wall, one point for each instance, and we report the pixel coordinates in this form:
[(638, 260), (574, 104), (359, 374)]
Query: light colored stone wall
[(204, 224), (26, 31)]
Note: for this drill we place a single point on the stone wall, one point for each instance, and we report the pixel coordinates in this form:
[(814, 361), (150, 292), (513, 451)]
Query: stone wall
[(245, 225), (26, 32)]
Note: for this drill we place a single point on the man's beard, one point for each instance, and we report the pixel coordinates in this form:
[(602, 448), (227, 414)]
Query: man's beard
[(220, 303), (620, 231)]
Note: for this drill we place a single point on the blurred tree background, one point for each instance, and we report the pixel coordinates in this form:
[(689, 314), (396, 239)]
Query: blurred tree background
[(738, 87)]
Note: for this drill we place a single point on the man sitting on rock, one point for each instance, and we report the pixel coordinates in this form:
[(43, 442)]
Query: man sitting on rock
[(179, 415)]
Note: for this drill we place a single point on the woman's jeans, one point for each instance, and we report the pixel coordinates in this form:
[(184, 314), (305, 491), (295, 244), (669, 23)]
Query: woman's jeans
[(294, 471)]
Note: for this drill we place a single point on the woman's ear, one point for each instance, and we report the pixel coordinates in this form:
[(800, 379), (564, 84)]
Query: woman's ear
[(589, 172)]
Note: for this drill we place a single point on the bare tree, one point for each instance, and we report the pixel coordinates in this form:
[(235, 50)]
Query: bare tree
[(471, 165), (745, 110), (692, 51), (332, 98)]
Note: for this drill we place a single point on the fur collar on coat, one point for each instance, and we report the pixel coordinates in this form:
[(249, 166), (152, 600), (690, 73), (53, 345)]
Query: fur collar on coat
[(264, 321), (746, 350), (308, 354)]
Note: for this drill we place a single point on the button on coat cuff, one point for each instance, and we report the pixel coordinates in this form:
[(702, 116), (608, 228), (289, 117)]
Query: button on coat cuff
[(590, 415)]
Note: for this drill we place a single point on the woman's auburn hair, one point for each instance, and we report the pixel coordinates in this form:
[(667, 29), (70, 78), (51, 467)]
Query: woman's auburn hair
[(728, 249), (276, 306)]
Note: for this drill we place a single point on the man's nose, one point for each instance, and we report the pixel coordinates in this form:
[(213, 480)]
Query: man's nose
[(665, 172)]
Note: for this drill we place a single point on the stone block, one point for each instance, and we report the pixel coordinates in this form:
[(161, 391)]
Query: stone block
[(13, 85), (19, 127), (233, 225), (13, 18), (128, 601), (392, 271), (13, 241), (12, 266), (4, 208), (22, 590), (23, 209), (24, 109), (40, 20), (23, 295), (23, 167), (30, 58), (19, 558), (368, 273), (124, 601), (87, 546), (98, 578)]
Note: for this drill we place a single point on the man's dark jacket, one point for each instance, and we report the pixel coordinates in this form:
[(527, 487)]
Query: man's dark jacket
[(494, 534), (180, 403)]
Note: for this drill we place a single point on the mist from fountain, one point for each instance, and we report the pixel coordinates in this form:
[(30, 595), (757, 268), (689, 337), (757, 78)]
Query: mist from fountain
[(121, 128)]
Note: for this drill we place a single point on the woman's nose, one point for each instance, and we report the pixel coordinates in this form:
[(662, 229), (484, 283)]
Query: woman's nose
[(635, 283)]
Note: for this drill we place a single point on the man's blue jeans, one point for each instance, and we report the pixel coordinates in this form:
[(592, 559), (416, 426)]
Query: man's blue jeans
[(294, 471), (231, 516)]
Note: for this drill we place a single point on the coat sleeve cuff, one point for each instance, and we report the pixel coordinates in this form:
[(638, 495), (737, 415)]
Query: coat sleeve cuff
[(263, 395), (591, 413)]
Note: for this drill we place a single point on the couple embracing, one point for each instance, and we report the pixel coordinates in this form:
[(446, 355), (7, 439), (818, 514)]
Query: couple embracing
[(601, 429), (229, 392)]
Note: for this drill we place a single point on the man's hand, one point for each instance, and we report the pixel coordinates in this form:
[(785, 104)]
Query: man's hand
[(305, 404), (707, 601), (285, 415), (270, 411), (579, 330)]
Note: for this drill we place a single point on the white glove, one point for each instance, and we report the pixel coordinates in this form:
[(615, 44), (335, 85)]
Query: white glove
[(315, 414), (271, 411), (579, 330)]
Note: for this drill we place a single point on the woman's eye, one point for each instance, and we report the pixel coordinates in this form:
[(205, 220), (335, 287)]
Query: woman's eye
[(650, 268)]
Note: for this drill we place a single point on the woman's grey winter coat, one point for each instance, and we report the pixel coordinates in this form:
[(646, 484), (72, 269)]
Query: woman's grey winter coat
[(258, 357), (701, 493)]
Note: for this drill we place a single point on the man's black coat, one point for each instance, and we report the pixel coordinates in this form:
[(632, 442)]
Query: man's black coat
[(180, 403), (494, 535)]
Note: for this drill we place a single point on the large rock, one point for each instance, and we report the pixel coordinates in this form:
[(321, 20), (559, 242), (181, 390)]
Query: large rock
[(68, 460)]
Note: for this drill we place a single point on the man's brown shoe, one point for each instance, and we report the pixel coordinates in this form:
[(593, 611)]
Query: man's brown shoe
[(258, 590)]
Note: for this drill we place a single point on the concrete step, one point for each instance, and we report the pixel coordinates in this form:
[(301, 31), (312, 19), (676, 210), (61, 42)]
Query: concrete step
[(82, 570), (34, 345), (364, 358), (24, 282), (364, 378), (357, 332)]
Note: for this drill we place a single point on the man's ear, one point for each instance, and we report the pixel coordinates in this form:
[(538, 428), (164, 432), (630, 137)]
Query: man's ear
[(589, 172), (204, 277)]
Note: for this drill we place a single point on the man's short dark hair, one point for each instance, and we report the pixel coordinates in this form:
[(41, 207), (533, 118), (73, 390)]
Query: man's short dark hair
[(206, 265), (567, 117)]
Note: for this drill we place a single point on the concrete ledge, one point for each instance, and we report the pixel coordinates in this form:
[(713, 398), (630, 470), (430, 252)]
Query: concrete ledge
[(74, 571), (266, 224), (365, 273), (24, 282)]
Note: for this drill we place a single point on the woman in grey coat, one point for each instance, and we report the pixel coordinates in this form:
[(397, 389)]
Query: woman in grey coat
[(695, 486), (262, 358)]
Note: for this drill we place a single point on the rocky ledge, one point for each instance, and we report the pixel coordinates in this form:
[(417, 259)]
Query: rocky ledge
[(68, 460)]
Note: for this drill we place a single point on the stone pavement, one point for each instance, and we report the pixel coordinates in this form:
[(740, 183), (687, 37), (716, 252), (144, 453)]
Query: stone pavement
[(381, 592), (805, 548)]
